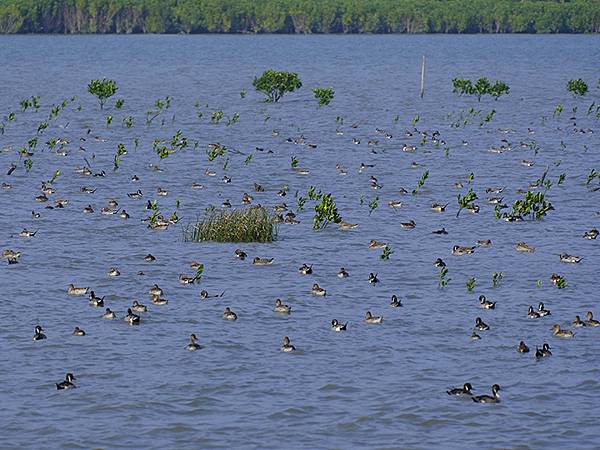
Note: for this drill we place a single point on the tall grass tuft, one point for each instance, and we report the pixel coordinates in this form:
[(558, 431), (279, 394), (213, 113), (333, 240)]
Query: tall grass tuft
[(239, 225)]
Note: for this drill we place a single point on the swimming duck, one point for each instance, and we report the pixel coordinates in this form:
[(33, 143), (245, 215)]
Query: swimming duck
[(281, 308), (95, 301), (124, 214), (556, 279), (369, 318), (483, 243), (394, 204), (286, 346), (542, 311), (578, 322), (35, 215), (138, 307), (438, 207), (410, 225), (305, 270), (228, 314), (347, 225), (67, 383), (38, 336), (72, 290), (112, 203), (343, 273), (336, 326), (149, 258), (78, 332), (162, 192), (494, 190), (131, 318), (395, 302), (135, 178), (485, 303), (475, 336), (137, 194), (543, 352), (113, 272), (457, 250), (591, 234), (155, 290), (591, 322), (184, 279), (556, 331), (262, 261), (193, 345), (226, 204), (532, 314), (106, 211), (440, 231), (25, 233), (373, 244), (88, 209), (157, 300), (373, 278), (522, 348), (109, 314), (465, 390), (318, 290), (524, 247), (495, 200), (439, 262), (494, 398), (566, 258), (240, 254), (481, 325), (246, 198)]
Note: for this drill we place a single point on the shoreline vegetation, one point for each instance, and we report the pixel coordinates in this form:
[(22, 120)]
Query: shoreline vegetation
[(298, 16)]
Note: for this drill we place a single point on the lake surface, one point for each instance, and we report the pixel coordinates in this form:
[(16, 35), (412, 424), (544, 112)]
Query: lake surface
[(373, 386)]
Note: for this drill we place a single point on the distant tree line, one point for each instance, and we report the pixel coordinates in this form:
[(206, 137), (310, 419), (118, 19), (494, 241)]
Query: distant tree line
[(299, 16)]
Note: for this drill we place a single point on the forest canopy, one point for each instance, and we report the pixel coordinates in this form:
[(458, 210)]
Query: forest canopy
[(299, 16)]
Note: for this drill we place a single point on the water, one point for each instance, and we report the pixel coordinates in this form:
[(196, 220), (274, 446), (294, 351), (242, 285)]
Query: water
[(374, 386)]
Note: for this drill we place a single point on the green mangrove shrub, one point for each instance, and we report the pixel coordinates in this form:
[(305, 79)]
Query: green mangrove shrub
[(238, 225), (325, 212), (275, 84), (480, 88), (577, 87), (324, 95), (534, 206), (103, 89)]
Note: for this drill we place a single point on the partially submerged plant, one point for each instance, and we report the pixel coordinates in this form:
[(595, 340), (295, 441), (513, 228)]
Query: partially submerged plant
[(496, 278), (471, 283), (466, 201), (421, 182), (275, 84), (442, 280), (577, 87), (533, 205), (387, 251), (481, 87), (238, 225), (102, 89), (324, 95), (325, 212)]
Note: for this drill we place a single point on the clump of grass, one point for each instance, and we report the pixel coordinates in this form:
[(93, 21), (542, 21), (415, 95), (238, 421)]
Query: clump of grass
[(238, 225)]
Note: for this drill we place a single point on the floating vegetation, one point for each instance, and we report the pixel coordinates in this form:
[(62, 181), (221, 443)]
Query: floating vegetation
[(238, 225)]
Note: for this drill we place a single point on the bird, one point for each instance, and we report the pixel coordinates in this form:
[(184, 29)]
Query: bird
[(240, 254), (131, 318), (457, 250), (336, 326), (591, 322), (543, 352), (305, 269), (480, 325), (532, 314), (281, 308), (566, 258), (286, 346), (109, 314), (369, 318), (522, 348), (262, 261), (558, 332), (395, 302), (228, 314), (494, 398), (465, 390), (343, 273), (38, 336), (193, 345), (578, 322), (542, 311), (78, 332), (138, 307), (318, 290), (373, 278), (485, 303), (67, 383), (72, 290)]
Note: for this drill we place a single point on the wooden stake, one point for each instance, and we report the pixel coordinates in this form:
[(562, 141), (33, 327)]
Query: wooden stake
[(423, 77)]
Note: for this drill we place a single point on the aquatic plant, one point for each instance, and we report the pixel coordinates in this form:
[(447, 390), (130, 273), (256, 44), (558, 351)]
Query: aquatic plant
[(577, 87), (215, 150), (325, 212), (481, 87), (561, 283), (294, 162), (216, 117), (533, 205), (421, 182), (324, 95), (102, 89), (387, 251), (237, 225), (466, 201), (248, 159), (558, 110), (496, 278), (471, 283), (442, 280), (275, 84), (373, 204), (119, 103)]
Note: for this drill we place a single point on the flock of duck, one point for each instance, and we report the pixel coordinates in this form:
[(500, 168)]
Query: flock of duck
[(134, 313)]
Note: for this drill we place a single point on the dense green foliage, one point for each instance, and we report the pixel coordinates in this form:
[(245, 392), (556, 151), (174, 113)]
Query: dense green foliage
[(577, 87), (481, 87), (324, 95), (275, 84), (299, 16), (103, 89), (238, 225)]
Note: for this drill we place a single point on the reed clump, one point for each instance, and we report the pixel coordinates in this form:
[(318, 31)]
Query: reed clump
[(238, 225)]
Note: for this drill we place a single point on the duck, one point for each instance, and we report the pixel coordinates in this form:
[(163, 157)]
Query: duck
[(138, 307), (228, 314), (440, 231), (162, 192), (481, 325), (578, 322), (556, 331), (35, 215), (542, 311), (395, 204), (543, 352), (373, 278), (395, 302), (38, 336), (373, 244), (106, 211), (67, 383), (109, 314), (465, 390), (483, 243), (522, 348), (566, 258), (137, 194), (240, 254), (124, 214), (438, 207), (149, 258), (112, 203), (95, 301), (262, 261), (531, 314), (281, 308), (78, 332), (591, 322), (88, 209), (439, 262), (343, 273), (475, 336), (485, 303), (305, 270), (72, 290), (193, 345), (113, 272), (457, 250), (184, 279), (131, 318), (25, 233), (523, 247), (556, 279), (494, 398), (369, 318), (157, 300), (155, 290), (226, 204), (591, 234), (347, 225), (286, 346), (409, 225), (318, 290), (336, 326)]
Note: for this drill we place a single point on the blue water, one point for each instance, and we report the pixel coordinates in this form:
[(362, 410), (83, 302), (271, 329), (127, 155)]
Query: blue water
[(373, 386)]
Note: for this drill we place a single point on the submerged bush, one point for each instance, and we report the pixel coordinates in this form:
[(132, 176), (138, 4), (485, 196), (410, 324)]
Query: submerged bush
[(577, 87), (102, 89), (275, 84), (239, 225), (324, 95)]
